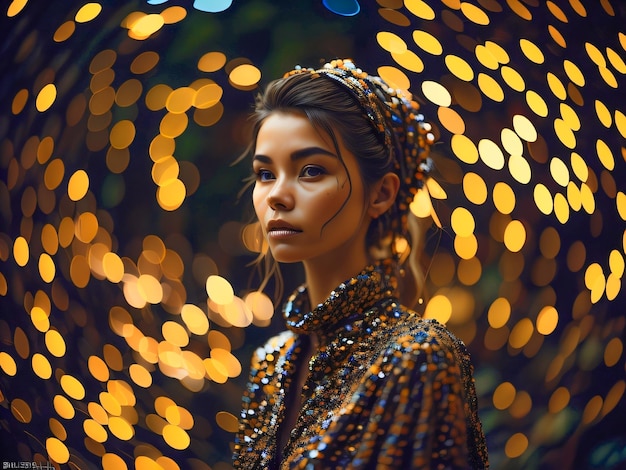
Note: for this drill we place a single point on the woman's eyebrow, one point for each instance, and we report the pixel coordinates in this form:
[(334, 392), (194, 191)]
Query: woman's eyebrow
[(310, 151), (298, 154)]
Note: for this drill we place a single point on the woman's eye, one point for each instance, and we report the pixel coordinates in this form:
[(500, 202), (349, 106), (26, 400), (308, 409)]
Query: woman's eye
[(312, 171), (264, 175)]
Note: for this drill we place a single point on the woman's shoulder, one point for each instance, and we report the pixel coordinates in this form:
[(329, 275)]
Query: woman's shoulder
[(425, 336), (274, 347)]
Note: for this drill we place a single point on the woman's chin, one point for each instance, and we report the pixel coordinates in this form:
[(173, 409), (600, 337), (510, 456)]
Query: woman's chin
[(284, 259), (286, 255)]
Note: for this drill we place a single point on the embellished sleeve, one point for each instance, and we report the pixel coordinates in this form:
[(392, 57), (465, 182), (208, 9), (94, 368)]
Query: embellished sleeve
[(422, 414), (247, 418), (434, 403), (431, 391), (255, 440)]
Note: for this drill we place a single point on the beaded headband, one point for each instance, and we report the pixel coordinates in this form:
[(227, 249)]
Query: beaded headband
[(396, 120)]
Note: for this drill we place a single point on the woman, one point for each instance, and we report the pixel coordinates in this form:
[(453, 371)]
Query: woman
[(358, 380)]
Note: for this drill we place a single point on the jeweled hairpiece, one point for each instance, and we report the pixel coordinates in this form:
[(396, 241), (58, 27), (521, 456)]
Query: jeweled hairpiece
[(395, 118)]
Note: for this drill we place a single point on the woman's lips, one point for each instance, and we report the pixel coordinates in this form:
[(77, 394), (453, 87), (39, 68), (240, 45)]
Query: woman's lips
[(282, 232), (280, 229)]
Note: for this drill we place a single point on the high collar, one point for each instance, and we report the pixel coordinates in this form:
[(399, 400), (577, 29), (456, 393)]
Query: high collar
[(347, 303)]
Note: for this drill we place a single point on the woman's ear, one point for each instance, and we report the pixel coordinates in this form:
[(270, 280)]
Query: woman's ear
[(383, 195)]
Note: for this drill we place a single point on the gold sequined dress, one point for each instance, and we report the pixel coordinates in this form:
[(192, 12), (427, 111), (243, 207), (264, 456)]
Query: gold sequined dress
[(385, 389)]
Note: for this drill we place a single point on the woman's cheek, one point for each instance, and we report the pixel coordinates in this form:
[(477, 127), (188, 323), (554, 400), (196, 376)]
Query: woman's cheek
[(258, 202)]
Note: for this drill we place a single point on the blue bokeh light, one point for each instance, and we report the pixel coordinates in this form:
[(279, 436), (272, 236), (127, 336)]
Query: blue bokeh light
[(343, 7), (212, 6)]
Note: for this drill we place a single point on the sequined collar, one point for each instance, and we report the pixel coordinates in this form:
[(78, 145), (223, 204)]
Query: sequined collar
[(348, 302)]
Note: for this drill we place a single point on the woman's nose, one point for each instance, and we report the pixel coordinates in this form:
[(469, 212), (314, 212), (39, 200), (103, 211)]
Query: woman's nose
[(281, 196)]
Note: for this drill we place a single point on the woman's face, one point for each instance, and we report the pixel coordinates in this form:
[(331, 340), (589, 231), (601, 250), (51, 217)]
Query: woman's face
[(311, 207)]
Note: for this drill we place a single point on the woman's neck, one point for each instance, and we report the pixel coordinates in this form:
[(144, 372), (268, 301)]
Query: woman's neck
[(323, 277)]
